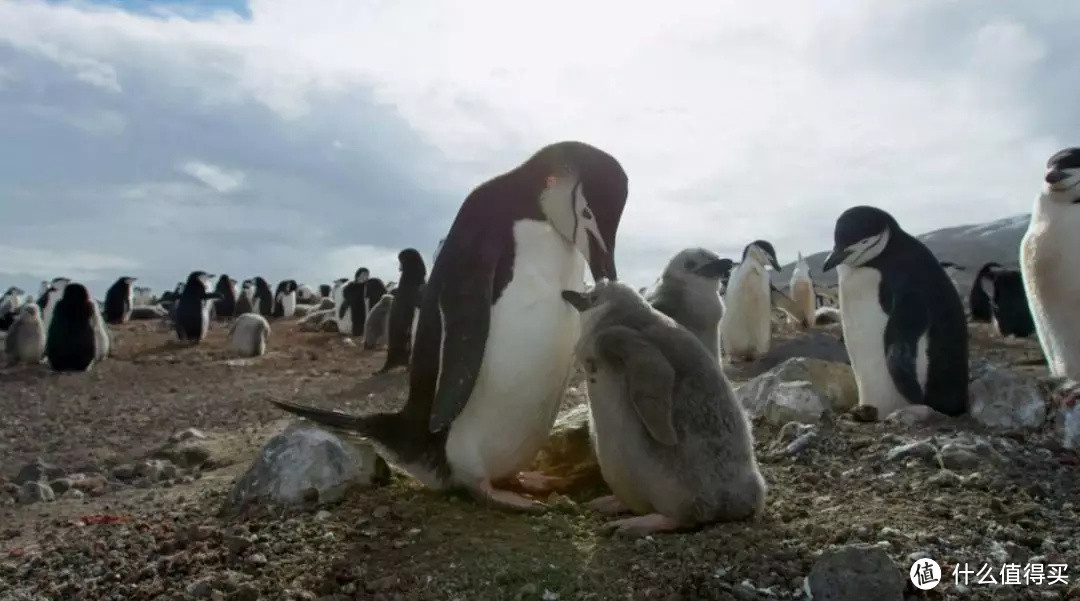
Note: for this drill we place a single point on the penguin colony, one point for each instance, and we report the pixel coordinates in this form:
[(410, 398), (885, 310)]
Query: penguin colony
[(673, 444)]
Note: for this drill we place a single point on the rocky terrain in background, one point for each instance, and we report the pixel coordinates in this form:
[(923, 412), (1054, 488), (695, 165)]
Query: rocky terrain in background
[(144, 479)]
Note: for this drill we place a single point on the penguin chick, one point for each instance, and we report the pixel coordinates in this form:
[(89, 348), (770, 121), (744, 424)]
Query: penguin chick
[(377, 325), (689, 293), (25, 341), (802, 292), (248, 335), (671, 439)]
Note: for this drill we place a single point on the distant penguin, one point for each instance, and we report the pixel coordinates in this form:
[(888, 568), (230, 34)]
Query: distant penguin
[(406, 304), (673, 442), (351, 311), (262, 300), (243, 300), (248, 335), (1050, 263), (225, 305), (70, 340), (953, 271), (376, 327), (801, 289), (1008, 303), (10, 303), (306, 295), (978, 301), (325, 290), (192, 310), (495, 342), (25, 342), (746, 329), (119, 299), (102, 336), (903, 322), (689, 293), (142, 296), (285, 299), (47, 302)]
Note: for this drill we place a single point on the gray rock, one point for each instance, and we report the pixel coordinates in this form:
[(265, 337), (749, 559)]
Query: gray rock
[(188, 449), (833, 385), (822, 346), (305, 463), (313, 321), (200, 589), (326, 304), (60, 485), (37, 471), (124, 473), (856, 573), (920, 449), (35, 492), (568, 451), (1070, 417), (155, 470), (961, 455), (916, 415), (1005, 401)]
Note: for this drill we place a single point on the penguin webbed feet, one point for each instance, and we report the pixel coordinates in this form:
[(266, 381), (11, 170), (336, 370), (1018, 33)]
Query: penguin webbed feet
[(643, 525), (607, 505), (485, 492)]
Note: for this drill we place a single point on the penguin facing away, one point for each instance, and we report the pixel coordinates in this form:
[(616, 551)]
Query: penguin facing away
[(248, 335), (376, 327), (902, 320), (802, 292), (352, 312), (192, 310), (225, 305), (70, 339), (119, 299), (25, 342), (672, 440), (481, 403), (243, 300), (1008, 302), (325, 290), (262, 299), (746, 328), (689, 293), (406, 302), (978, 301), (1049, 263)]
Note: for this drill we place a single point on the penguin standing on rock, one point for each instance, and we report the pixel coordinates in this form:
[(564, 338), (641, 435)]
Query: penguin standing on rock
[(262, 300), (70, 342), (494, 346), (978, 301), (119, 299), (1050, 262), (192, 310), (903, 322), (406, 303), (225, 305), (689, 293), (746, 329)]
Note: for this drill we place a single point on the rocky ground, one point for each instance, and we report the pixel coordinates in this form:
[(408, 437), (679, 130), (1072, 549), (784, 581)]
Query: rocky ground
[(113, 481)]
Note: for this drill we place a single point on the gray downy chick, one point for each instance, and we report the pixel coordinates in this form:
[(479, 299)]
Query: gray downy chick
[(248, 335), (689, 293), (672, 441), (377, 325), (25, 341)]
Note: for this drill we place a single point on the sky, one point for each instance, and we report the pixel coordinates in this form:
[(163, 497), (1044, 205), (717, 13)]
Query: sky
[(304, 138)]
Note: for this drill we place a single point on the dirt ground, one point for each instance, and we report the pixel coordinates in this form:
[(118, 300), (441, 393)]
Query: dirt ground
[(400, 541)]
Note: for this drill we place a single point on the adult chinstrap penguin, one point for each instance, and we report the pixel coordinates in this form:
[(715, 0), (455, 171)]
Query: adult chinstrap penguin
[(1009, 303), (192, 310), (119, 299), (978, 301), (244, 299), (746, 328), (689, 293), (70, 339), (262, 299), (10, 303), (494, 344), (1050, 263), (25, 342), (406, 297), (285, 299), (225, 305), (902, 320)]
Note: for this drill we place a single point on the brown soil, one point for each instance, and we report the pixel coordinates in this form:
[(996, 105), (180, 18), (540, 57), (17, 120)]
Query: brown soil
[(400, 541)]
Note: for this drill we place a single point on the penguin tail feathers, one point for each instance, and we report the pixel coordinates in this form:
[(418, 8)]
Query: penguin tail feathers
[(381, 428)]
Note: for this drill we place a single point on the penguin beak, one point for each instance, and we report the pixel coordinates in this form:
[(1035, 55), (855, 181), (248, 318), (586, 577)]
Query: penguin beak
[(835, 258), (714, 269), (601, 260), (774, 263), (576, 300), (1055, 176)]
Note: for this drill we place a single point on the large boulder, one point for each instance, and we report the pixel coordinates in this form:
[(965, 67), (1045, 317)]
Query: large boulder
[(1004, 401), (306, 464), (800, 389)]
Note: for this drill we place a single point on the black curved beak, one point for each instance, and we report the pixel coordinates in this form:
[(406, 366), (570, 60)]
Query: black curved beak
[(602, 258), (714, 269), (775, 264), (1055, 175), (576, 299), (835, 258)]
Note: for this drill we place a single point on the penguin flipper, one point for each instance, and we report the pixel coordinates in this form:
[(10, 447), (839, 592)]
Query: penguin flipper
[(465, 310), (650, 378), (908, 319)]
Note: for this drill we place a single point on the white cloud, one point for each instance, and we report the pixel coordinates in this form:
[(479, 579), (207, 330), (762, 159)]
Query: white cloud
[(734, 121), (218, 178), (344, 261), (48, 264)]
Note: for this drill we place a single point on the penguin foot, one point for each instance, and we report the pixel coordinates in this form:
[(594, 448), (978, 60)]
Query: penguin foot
[(486, 493), (642, 525), (538, 483), (607, 505)]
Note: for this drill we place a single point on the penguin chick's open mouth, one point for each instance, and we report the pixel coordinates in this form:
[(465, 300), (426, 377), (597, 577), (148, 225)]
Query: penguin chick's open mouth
[(576, 299)]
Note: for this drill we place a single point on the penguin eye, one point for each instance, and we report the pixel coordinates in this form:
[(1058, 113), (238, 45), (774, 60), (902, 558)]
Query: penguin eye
[(689, 264), (586, 213)]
